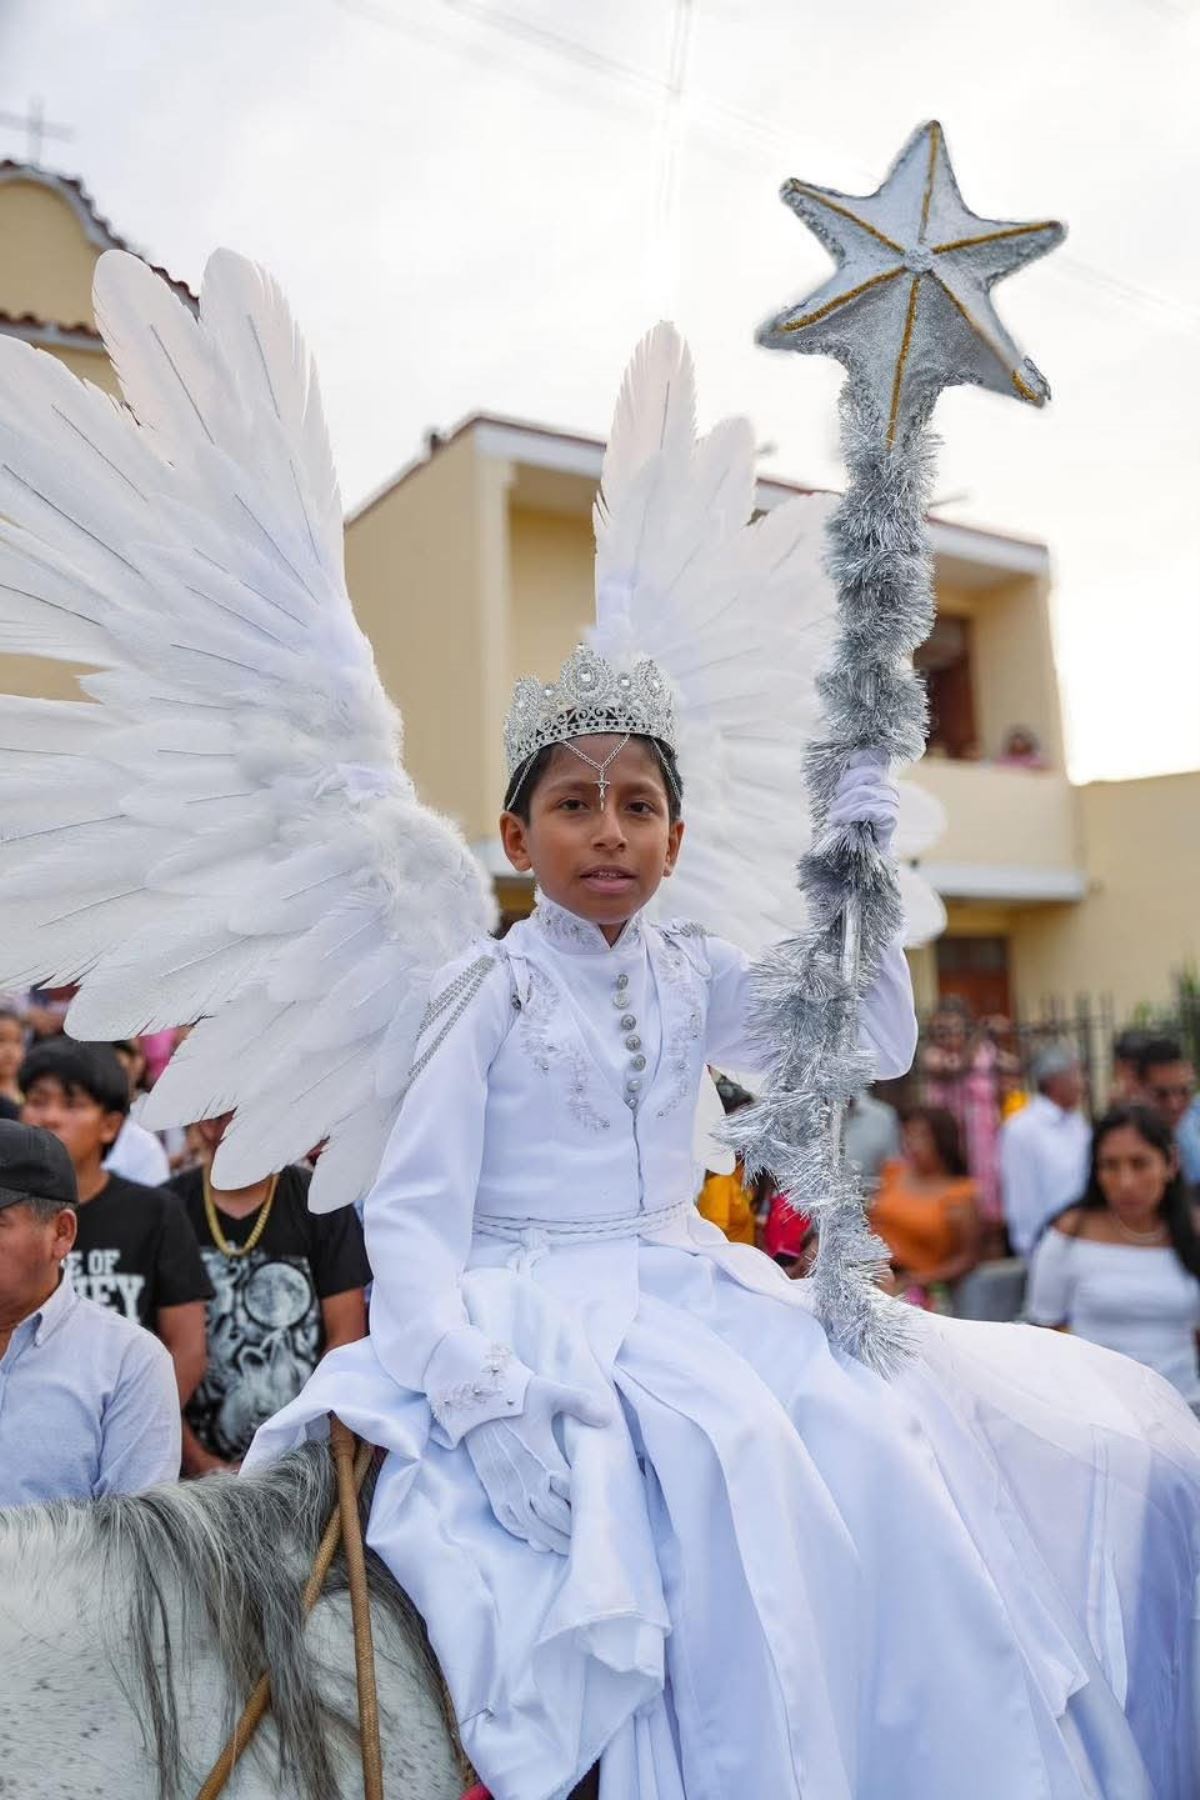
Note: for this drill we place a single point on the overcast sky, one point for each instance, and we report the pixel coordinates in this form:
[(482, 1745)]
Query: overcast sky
[(481, 204)]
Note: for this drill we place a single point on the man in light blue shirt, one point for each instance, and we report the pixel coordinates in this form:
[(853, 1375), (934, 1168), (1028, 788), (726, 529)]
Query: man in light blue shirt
[(88, 1400)]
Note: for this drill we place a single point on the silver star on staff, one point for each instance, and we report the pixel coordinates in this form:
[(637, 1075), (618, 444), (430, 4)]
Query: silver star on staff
[(909, 309)]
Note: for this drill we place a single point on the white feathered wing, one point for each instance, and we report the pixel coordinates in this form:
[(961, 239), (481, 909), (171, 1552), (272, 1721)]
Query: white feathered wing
[(740, 614), (223, 831)]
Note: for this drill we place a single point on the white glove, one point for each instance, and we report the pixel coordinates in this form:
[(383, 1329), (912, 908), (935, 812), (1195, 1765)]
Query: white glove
[(524, 1473), (867, 795)]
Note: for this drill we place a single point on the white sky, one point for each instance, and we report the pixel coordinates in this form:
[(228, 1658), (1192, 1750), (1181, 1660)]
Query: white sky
[(481, 204)]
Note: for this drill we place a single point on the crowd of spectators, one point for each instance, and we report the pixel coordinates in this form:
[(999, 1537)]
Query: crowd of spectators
[(151, 1321), (996, 1197)]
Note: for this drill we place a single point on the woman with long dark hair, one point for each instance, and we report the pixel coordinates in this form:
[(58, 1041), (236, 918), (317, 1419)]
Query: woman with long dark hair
[(1122, 1267)]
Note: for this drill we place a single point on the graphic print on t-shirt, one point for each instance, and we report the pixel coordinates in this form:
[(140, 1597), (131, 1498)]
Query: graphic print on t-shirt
[(96, 1276), (264, 1341)]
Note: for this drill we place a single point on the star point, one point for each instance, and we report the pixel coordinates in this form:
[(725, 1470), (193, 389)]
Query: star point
[(908, 309)]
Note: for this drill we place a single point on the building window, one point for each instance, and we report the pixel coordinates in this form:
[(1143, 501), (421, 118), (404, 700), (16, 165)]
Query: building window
[(944, 660), (975, 969)]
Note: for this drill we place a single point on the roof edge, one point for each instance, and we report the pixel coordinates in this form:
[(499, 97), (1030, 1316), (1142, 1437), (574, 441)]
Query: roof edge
[(96, 228), (575, 453)]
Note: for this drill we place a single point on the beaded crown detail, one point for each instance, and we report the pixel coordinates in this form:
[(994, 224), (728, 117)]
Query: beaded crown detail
[(591, 696)]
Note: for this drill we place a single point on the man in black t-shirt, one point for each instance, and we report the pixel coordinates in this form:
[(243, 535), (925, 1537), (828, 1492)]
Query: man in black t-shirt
[(289, 1285), (134, 1250)]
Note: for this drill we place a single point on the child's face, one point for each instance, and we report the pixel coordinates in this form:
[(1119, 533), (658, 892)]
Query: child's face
[(601, 861)]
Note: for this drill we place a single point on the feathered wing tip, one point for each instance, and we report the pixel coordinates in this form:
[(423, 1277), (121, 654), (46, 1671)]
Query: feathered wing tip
[(655, 413), (163, 361), (246, 313), (223, 831)]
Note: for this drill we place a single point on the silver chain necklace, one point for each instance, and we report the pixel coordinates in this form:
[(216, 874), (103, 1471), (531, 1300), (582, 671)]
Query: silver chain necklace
[(1138, 1237), (601, 768)]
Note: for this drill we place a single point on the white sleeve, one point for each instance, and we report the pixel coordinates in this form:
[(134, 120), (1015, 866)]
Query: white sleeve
[(418, 1217), (138, 1156), (1020, 1184), (1051, 1284), (887, 1019)]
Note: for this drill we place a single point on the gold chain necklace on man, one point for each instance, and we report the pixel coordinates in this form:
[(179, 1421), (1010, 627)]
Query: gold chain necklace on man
[(260, 1224)]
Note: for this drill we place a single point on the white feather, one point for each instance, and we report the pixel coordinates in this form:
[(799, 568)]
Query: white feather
[(740, 615), (224, 833)]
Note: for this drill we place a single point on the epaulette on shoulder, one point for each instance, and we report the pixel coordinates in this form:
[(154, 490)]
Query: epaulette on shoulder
[(687, 939), (448, 1006), (684, 928)]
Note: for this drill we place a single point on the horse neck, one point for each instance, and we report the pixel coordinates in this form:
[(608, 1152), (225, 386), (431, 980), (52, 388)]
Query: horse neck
[(68, 1640), (66, 1625)]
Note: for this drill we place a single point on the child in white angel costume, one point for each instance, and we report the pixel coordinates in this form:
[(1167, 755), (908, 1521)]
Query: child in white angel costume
[(650, 1514)]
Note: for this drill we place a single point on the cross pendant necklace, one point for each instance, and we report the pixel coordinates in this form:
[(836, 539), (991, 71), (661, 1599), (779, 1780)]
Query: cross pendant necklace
[(601, 768)]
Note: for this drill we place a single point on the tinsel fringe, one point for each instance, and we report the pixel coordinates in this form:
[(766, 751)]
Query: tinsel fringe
[(805, 1011)]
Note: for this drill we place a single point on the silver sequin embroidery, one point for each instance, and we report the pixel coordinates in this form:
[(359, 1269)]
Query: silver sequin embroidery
[(561, 926), (546, 1052), (679, 1067)]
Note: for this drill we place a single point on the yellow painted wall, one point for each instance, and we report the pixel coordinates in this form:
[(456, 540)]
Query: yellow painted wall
[(46, 268), (552, 556), (88, 365), (1017, 817), (427, 570), (1016, 680), (1141, 919)]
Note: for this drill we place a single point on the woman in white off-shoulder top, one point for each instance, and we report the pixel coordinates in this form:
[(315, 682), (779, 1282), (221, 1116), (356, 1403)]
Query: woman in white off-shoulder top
[(1122, 1268)]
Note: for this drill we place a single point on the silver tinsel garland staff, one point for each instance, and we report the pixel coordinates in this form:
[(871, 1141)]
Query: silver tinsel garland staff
[(908, 312)]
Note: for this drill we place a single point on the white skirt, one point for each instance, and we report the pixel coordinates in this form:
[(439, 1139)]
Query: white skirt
[(790, 1579)]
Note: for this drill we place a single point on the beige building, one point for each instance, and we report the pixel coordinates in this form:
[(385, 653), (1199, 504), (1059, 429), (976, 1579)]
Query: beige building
[(51, 238), (475, 565)]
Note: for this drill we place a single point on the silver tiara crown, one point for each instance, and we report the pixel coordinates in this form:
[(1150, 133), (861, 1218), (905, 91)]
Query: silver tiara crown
[(591, 696)]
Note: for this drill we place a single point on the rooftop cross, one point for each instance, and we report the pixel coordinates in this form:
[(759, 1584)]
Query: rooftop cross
[(909, 309), (36, 128)]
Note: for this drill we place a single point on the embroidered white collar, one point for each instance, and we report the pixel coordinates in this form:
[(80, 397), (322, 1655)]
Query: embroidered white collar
[(579, 937)]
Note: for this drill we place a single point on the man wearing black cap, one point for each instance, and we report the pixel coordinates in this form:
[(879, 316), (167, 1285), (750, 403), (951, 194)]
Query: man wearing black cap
[(88, 1402)]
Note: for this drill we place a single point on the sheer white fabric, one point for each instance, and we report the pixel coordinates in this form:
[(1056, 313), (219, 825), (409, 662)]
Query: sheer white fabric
[(786, 1576)]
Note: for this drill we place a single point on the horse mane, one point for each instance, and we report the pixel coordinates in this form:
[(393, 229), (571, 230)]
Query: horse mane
[(243, 1548)]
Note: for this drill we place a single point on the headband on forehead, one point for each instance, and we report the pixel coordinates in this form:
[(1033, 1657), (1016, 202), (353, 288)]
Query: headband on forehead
[(661, 748)]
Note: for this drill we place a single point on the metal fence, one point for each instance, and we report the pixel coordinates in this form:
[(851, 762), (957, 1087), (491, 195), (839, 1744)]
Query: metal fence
[(1003, 1051)]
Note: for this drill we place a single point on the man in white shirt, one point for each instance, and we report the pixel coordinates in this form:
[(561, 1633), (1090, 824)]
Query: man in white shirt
[(88, 1400), (870, 1136), (1044, 1150)]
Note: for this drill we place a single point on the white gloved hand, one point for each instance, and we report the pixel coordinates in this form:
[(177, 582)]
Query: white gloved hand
[(524, 1473), (867, 795)]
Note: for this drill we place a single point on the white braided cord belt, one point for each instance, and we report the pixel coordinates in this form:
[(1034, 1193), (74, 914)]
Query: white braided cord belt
[(594, 1230)]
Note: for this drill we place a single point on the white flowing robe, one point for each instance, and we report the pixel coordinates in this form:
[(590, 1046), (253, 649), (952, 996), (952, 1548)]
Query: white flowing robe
[(787, 1576)]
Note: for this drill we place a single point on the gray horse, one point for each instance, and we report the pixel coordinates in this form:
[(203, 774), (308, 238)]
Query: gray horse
[(132, 1630)]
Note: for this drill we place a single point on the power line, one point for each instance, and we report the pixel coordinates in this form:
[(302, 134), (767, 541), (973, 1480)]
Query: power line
[(706, 109)]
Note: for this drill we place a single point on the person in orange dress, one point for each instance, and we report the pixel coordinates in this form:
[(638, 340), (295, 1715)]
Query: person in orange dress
[(926, 1209), (726, 1202)]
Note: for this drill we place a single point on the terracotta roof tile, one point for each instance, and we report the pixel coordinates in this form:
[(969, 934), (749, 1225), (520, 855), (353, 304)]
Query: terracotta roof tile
[(32, 321)]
